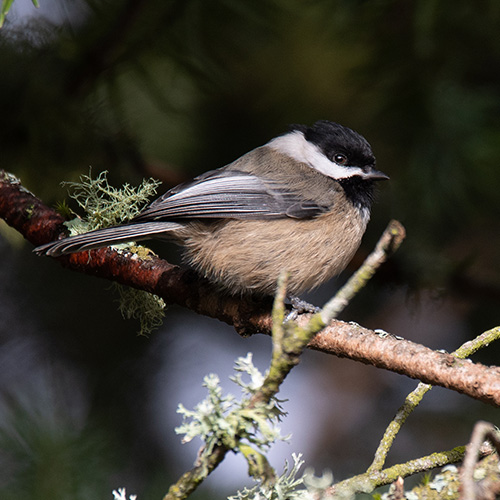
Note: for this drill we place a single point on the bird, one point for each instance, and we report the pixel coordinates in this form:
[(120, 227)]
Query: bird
[(300, 203)]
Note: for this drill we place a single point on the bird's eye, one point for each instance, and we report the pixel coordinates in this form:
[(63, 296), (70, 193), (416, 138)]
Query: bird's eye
[(340, 159)]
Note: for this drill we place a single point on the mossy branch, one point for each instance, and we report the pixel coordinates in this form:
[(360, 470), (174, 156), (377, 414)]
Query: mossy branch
[(367, 482), (413, 399), (289, 341)]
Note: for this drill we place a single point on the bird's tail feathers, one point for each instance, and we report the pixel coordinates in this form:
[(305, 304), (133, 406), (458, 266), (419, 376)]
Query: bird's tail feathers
[(107, 236)]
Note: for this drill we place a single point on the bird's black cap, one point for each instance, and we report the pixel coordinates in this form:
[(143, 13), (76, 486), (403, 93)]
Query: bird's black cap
[(333, 138)]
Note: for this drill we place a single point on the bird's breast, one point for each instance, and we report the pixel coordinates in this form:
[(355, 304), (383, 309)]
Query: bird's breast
[(247, 256)]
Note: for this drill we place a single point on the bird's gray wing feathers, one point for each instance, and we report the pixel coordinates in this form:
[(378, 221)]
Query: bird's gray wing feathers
[(219, 194), (107, 236), (229, 194)]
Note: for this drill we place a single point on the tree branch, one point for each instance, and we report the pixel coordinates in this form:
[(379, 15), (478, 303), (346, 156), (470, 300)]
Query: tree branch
[(414, 360), (368, 481), (470, 489), (40, 224)]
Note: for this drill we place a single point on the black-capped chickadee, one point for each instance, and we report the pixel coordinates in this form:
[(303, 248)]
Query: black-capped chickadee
[(299, 203)]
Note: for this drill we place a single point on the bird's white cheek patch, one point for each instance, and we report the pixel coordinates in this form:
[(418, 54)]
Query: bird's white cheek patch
[(295, 145)]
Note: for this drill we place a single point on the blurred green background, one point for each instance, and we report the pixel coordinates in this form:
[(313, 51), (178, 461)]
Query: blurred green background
[(170, 89)]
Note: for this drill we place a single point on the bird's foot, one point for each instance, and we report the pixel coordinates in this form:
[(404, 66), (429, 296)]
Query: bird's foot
[(300, 306)]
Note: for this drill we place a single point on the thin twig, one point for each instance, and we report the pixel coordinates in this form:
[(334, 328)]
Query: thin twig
[(482, 431), (388, 243), (413, 399), (367, 482), (411, 402)]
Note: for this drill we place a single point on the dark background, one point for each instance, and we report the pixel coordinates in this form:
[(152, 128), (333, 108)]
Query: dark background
[(170, 89)]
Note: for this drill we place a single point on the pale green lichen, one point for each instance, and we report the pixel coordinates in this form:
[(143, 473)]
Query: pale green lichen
[(147, 308), (285, 487), (224, 420), (105, 206)]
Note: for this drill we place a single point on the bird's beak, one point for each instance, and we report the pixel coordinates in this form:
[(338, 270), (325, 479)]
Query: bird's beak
[(374, 174)]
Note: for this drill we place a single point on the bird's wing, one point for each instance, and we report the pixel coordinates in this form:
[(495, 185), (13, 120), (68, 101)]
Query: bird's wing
[(107, 236), (229, 194)]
